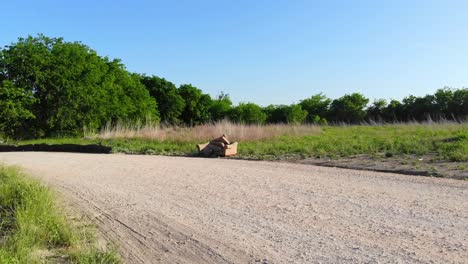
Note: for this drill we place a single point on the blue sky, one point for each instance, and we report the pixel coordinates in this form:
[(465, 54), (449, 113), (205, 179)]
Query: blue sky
[(267, 51)]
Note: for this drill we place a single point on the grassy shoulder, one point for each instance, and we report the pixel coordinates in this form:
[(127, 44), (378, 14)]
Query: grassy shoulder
[(34, 230), (446, 142)]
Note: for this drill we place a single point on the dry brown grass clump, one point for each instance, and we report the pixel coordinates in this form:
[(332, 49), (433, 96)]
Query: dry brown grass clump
[(236, 132)]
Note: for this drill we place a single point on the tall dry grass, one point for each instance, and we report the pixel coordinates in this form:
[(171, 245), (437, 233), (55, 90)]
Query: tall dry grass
[(235, 132)]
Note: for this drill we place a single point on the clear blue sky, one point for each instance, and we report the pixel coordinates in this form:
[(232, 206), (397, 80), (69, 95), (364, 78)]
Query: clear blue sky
[(267, 51)]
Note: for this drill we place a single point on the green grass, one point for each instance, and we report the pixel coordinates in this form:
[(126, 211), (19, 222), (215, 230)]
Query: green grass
[(34, 230), (448, 142)]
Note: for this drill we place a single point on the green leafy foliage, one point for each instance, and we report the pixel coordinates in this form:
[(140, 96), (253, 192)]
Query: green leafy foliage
[(349, 108), (197, 105), (170, 103), (317, 107), (248, 113), (376, 110), (220, 107), (276, 114), (15, 108), (458, 106), (295, 114), (287, 114), (50, 87), (72, 87)]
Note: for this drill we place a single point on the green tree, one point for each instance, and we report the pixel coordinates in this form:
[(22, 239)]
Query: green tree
[(375, 112), (349, 108), (15, 108), (220, 107), (248, 113), (459, 104), (420, 108), (170, 103), (276, 114), (394, 112), (443, 98), (408, 104), (293, 114), (197, 105), (317, 107), (73, 87)]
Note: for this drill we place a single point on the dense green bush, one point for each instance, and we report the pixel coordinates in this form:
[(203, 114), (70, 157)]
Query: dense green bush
[(348, 108), (317, 107), (248, 113), (220, 107), (293, 114), (197, 105), (15, 105), (170, 103), (60, 87)]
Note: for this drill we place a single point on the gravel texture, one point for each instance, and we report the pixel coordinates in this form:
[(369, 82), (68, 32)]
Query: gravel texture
[(190, 210)]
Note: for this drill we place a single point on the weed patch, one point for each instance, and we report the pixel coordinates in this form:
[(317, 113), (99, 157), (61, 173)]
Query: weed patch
[(34, 230)]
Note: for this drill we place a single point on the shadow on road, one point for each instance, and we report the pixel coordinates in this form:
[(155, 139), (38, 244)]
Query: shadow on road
[(58, 148)]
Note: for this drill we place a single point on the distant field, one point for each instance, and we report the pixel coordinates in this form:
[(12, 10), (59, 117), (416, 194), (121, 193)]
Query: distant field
[(444, 141)]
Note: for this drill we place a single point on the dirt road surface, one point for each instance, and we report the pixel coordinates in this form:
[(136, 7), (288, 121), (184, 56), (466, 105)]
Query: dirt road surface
[(188, 210)]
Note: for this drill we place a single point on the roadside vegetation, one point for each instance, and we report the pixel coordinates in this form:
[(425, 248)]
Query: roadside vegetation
[(445, 141), (54, 91), (53, 88), (34, 230), (430, 149)]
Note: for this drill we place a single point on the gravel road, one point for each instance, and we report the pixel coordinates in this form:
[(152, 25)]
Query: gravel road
[(188, 210)]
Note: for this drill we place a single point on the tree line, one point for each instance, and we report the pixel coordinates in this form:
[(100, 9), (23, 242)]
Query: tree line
[(50, 87)]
